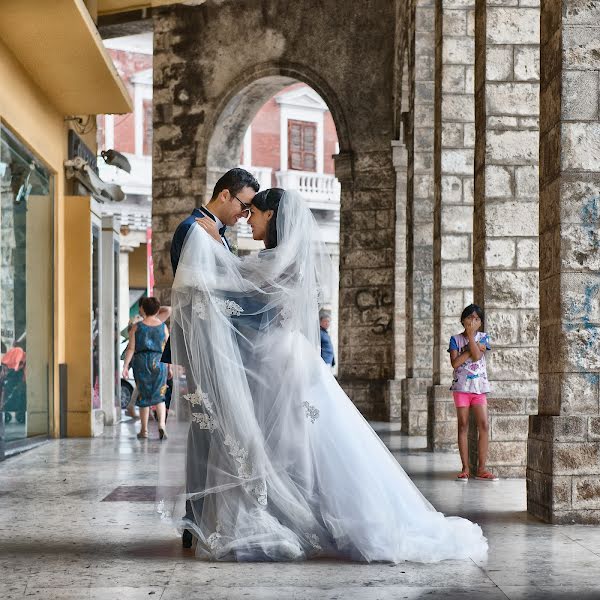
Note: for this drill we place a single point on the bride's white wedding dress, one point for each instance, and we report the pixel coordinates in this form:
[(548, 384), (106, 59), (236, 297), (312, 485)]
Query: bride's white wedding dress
[(273, 458)]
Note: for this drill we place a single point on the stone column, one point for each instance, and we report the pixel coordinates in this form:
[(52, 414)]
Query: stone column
[(367, 257), (453, 210), (563, 464), (505, 236), (400, 160), (419, 217)]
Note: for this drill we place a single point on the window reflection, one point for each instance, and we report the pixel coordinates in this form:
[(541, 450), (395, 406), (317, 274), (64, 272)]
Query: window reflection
[(26, 292)]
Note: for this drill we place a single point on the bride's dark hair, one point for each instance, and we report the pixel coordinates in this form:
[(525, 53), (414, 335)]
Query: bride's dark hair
[(269, 200)]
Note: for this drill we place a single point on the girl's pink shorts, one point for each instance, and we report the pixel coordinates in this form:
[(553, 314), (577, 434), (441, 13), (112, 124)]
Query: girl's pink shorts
[(462, 399)]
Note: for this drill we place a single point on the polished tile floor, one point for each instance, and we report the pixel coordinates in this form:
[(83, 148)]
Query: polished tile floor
[(60, 540)]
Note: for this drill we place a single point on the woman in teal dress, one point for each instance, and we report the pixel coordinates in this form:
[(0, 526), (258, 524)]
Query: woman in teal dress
[(147, 340)]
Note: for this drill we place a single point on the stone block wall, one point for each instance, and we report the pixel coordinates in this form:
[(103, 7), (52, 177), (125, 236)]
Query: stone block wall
[(563, 465), (206, 93), (505, 235), (420, 222), (453, 209)]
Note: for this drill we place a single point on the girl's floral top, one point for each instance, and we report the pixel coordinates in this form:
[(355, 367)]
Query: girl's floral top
[(470, 377)]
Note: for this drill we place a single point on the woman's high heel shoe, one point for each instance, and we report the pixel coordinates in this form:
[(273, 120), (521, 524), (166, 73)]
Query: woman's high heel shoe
[(142, 435), (162, 434)]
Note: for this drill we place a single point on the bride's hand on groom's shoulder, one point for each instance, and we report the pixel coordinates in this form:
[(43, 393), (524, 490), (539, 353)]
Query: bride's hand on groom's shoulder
[(210, 227)]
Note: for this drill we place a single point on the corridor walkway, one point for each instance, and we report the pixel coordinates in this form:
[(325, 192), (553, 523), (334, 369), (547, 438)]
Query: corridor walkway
[(76, 523)]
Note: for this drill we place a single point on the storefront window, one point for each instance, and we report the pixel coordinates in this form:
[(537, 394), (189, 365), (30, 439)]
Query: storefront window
[(96, 402), (26, 293)]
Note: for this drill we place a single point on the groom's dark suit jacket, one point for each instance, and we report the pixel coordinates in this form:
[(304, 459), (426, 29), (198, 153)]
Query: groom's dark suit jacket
[(176, 248)]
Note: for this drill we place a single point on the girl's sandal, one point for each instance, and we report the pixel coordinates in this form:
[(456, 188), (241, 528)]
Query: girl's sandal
[(463, 476), (486, 476)]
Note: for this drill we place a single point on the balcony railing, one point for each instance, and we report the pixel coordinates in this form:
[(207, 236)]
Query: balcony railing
[(262, 175), (320, 190)]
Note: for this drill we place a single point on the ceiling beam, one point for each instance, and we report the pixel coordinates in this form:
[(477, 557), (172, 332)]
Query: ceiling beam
[(125, 23)]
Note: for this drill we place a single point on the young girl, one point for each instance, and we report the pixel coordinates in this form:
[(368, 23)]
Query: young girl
[(470, 386)]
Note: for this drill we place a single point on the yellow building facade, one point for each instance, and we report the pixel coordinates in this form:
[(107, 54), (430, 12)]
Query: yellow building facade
[(55, 76)]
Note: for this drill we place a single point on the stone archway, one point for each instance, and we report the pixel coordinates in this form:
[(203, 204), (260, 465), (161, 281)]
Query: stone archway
[(319, 186), (221, 149), (206, 60)]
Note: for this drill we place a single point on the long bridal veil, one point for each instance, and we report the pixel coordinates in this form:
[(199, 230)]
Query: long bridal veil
[(267, 457)]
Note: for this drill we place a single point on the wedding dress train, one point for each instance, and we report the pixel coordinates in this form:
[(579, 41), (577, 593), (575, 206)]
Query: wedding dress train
[(273, 458)]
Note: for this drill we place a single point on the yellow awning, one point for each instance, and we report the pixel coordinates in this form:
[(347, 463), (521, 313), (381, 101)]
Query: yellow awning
[(59, 46)]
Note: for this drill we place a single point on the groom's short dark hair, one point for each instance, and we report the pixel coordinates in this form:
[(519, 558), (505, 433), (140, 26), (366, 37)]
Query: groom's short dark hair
[(235, 180)]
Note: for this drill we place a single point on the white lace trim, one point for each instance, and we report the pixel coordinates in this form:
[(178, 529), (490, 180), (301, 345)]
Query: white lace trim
[(229, 307), (285, 317), (259, 491), (214, 539), (244, 466), (197, 398), (314, 540), (204, 421), (200, 305), (311, 412)]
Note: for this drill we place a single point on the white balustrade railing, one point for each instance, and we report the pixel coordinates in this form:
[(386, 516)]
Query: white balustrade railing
[(322, 191), (136, 218), (262, 174)]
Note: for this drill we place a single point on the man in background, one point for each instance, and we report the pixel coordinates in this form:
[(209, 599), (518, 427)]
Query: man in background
[(326, 345)]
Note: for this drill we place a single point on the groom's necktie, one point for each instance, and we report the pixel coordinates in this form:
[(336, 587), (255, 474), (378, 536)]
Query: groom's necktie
[(222, 230)]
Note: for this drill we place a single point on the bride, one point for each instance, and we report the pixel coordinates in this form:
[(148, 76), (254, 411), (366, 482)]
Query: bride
[(291, 470)]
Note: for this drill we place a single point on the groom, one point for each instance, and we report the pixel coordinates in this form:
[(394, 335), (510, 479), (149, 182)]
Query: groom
[(230, 201)]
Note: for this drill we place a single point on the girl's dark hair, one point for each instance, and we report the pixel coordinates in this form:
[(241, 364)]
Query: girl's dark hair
[(472, 308), (269, 200), (150, 306)]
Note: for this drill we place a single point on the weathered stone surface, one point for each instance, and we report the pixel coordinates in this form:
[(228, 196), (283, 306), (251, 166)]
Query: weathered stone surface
[(500, 252), (513, 25), (580, 96), (527, 181), (527, 63), (512, 98), (586, 492), (512, 218), (453, 212), (581, 146), (512, 288), (498, 182), (506, 202), (513, 428), (499, 63), (576, 458), (512, 147)]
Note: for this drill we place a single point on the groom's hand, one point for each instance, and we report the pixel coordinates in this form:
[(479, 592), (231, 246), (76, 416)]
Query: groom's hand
[(210, 227)]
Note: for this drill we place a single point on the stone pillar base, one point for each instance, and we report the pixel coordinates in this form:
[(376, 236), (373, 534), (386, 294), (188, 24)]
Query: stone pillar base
[(414, 406), (394, 400), (377, 400), (508, 423), (563, 469), (441, 419)]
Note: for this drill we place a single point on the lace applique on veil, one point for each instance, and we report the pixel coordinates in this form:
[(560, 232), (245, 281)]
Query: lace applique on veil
[(311, 411)]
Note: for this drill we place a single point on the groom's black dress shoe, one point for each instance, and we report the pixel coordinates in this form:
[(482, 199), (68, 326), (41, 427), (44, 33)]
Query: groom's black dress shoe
[(187, 538)]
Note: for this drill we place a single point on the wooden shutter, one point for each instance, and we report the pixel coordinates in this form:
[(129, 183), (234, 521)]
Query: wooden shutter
[(302, 145)]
